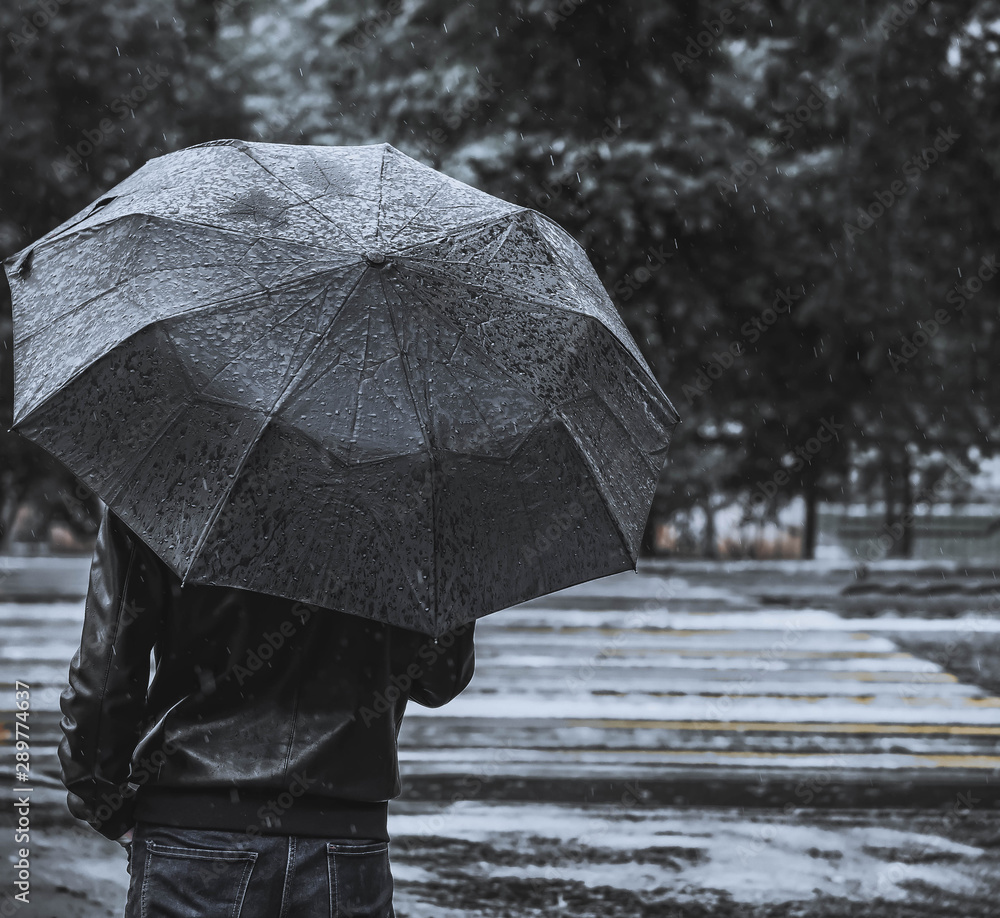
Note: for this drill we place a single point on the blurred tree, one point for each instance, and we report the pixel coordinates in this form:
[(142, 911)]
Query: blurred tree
[(710, 157), (88, 93), (756, 182)]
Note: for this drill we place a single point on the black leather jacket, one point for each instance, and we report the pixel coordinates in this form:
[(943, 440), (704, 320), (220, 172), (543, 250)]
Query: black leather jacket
[(263, 715)]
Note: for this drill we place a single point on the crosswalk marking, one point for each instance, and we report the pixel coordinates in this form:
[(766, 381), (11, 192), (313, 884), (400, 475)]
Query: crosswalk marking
[(631, 680), (881, 729)]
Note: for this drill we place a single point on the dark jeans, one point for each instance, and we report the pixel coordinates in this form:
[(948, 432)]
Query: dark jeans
[(191, 873)]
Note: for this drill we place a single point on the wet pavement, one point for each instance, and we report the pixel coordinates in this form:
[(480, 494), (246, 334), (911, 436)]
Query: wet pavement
[(693, 740), (683, 677), (518, 860)]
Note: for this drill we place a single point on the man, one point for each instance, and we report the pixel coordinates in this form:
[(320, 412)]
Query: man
[(256, 766)]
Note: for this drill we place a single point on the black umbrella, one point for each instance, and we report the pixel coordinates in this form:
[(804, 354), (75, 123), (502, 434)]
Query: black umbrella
[(337, 375)]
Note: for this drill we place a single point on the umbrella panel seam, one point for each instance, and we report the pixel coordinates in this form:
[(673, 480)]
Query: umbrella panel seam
[(271, 414), (301, 199), (567, 425)]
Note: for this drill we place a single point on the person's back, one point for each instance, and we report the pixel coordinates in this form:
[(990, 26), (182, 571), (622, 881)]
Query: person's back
[(259, 766)]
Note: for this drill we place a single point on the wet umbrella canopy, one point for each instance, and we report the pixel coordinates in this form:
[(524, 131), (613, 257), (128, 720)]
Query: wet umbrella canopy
[(337, 375)]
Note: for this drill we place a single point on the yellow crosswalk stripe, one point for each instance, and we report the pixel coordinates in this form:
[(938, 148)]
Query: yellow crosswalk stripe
[(931, 760), (771, 654), (784, 727), (895, 676)]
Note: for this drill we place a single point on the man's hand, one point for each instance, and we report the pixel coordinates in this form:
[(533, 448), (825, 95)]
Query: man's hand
[(126, 839)]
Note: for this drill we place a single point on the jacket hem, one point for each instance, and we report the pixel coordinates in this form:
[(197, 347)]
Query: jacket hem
[(256, 812)]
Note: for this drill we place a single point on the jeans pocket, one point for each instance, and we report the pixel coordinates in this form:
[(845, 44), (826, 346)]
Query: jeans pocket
[(360, 879), (187, 882)]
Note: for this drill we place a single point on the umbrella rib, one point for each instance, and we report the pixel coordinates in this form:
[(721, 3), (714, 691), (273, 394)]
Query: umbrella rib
[(241, 353), (597, 483), (361, 382), (175, 414), (490, 250), (270, 416), (242, 233), (472, 264), (403, 365), (389, 533), (69, 226), (466, 228), (594, 394), (446, 368), (539, 568), (423, 208), (516, 384), (234, 300), (45, 243), (658, 392), (592, 282), (430, 450), (149, 449), (539, 304), (381, 186), (505, 294), (240, 300), (302, 199)]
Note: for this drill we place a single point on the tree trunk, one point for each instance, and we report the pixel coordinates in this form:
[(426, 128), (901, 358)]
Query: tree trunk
[(906, 509), (811, 498), (8, 510), (898, 505), (710, 548)]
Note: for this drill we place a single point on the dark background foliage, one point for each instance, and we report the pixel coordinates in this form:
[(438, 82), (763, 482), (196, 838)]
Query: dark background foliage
[(729, 167)]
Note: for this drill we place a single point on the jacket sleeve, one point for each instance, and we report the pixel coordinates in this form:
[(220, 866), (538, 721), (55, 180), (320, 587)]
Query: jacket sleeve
[(442, 667), (104, 704)]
